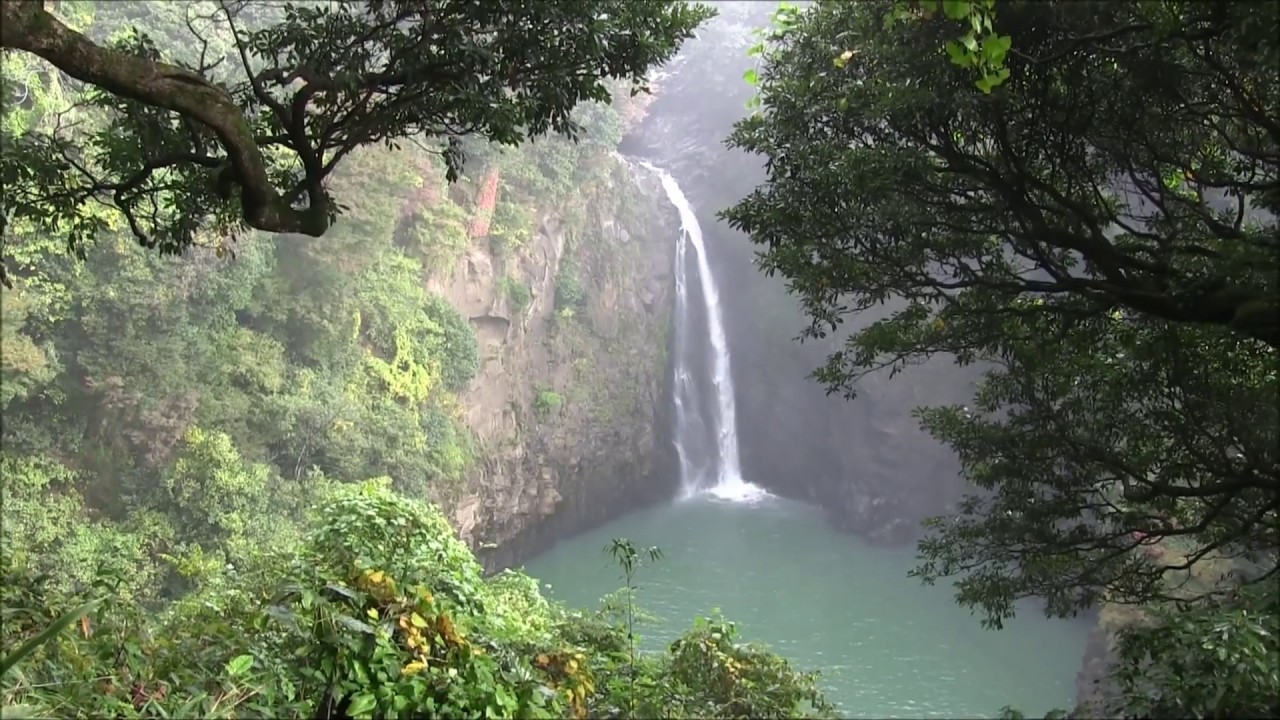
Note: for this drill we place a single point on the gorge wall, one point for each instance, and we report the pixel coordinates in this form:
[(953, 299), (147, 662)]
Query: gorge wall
[(567, 404)]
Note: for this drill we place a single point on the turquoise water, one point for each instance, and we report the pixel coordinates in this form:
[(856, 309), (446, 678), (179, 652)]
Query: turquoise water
[(886, 645)]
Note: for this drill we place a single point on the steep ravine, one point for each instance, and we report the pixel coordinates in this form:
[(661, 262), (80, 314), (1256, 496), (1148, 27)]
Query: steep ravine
[(566, 406)]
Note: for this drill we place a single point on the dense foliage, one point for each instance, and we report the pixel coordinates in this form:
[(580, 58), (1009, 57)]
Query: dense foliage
[(377, 610), (1100, 234), (245, 117)]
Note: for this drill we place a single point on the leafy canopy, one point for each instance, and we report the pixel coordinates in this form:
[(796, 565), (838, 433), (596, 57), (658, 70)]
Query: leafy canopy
[(1220, 662), (1099, 232), (247, 124)]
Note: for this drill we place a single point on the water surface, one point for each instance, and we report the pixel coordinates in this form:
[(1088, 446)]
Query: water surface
[(886, 645)]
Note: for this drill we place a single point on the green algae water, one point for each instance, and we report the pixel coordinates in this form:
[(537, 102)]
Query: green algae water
[(886, 645)]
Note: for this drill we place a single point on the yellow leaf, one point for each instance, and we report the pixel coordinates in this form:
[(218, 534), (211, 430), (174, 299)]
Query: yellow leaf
[(448, 630), (413, 668), (377, 577), (543, 660), (417, 620), (372, 612), (572, 666)]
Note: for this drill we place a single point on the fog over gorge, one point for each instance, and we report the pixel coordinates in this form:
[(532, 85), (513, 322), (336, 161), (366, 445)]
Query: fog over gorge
[(867, 463), (637, 359)]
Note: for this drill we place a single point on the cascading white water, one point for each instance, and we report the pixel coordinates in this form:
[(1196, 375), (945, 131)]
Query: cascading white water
[(721, 474)]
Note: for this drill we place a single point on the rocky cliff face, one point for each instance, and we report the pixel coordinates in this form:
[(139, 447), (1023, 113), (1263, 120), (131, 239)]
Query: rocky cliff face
[(566, 408), (1095, 691)]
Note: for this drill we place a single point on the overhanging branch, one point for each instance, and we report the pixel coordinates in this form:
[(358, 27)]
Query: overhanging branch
[(26, 25)]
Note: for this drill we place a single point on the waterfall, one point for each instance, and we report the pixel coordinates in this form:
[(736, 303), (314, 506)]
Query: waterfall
[(706, 431)]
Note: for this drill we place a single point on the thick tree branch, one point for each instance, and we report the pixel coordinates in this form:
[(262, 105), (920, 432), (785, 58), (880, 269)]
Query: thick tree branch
[(26, 25)]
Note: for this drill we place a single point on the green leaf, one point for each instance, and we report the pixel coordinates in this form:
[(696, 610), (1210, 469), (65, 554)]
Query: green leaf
[(751, 76), (362, 704), (239, 665), (996, 47), (957, 54), (956, 9)]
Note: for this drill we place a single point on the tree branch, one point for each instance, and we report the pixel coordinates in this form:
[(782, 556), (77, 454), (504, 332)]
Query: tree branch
[(26, 25)]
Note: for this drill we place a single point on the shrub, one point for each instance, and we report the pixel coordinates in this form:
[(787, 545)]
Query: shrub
[(511, 228), (547, 401), (601, 123), (439, 235), (518, 293), (449, 448), (571, 294), (459, 349)]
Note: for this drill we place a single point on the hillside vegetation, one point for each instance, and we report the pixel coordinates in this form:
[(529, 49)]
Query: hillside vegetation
[(187, 440)]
